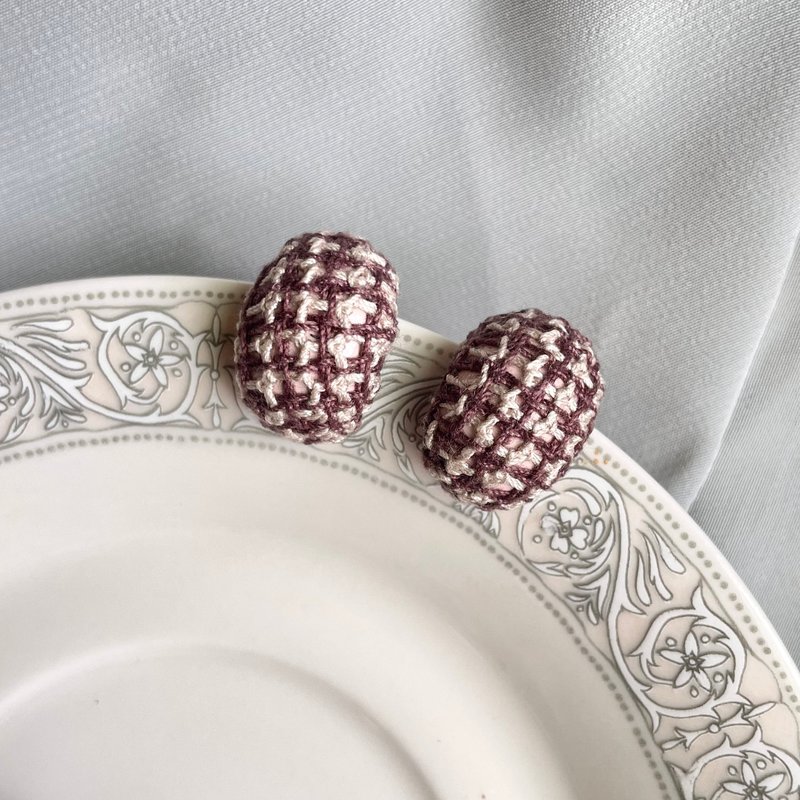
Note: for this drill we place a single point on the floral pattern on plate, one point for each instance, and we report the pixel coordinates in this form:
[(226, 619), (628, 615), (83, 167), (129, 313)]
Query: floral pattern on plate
[(714, 703)]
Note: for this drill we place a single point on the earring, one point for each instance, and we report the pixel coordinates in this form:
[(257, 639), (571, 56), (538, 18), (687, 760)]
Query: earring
[(516, 406), (313, 334)]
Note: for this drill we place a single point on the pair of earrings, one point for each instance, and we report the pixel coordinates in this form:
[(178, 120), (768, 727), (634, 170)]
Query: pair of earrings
[(515, 407)]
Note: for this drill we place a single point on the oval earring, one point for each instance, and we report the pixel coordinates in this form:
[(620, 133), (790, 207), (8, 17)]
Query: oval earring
[(313, 334), (515, 407)]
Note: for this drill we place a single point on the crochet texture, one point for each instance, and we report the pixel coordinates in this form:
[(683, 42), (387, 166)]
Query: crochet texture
[(313, 334), (516, 405)]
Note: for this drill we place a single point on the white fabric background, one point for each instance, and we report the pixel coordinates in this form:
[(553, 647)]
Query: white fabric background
[(632, 166)]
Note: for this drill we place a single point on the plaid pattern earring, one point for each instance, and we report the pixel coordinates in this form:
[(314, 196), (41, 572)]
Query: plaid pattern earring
[(516, 406), (313, 334)]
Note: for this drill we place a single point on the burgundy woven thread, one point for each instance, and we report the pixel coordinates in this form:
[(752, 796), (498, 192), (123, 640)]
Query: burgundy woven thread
[(313, 334), (517, 404)]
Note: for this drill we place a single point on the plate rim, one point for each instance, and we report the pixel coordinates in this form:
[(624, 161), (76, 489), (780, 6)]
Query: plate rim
[(86, 286), (63, 296)]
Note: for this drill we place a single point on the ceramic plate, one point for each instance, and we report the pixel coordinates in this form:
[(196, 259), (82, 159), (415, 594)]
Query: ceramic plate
[(193, 608)]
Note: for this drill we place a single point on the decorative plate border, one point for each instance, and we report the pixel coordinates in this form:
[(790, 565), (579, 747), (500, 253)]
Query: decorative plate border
[(607, 552)]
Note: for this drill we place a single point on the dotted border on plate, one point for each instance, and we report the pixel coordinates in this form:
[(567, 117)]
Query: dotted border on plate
[(114, 294), (429, 346)]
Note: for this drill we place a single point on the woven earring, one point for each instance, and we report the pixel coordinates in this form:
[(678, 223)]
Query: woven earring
[(515, 407), (313, 334)]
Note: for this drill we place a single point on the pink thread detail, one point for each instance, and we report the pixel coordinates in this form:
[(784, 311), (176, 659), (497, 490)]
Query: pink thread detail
[(517, 404), (313, 335)]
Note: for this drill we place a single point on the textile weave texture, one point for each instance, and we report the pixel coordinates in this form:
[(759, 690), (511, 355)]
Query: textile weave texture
[(313, 334), (517, 403)]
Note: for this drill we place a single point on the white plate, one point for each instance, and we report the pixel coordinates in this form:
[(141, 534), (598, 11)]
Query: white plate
[(192, 608)]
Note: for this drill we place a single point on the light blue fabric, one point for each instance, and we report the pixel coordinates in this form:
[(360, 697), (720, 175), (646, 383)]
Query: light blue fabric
[(632, 166)]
